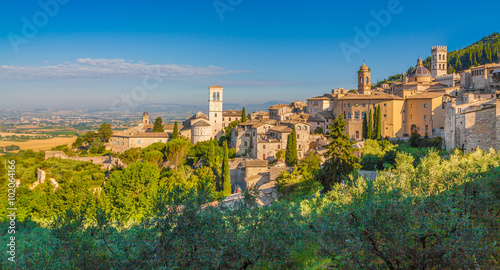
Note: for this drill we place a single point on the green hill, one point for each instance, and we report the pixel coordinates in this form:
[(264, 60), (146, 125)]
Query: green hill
[(486, 50)]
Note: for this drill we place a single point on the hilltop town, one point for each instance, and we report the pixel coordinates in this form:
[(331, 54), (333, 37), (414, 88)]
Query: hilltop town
[(462, 108)]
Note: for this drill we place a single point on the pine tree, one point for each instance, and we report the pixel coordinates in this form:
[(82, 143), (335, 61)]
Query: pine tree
[(243, 115), (369, 133), (158, 126), (378, 133), (365, 127), (226, 173), (340, 159), (175, 132), (291, 156)]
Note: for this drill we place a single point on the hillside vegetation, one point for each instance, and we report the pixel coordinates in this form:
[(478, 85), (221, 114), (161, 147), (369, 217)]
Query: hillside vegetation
[(486, 50)]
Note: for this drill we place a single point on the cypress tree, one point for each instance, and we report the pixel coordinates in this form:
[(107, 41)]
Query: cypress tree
[(175, 132), (365, 127), (375, 123), (211, 154), (243, 115), (378, 134), (369, 132), (158, 126), (226, 173), (291, 156)]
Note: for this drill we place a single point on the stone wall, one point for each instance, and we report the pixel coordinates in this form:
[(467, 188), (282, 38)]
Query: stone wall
[(480, 129), (56, 154)]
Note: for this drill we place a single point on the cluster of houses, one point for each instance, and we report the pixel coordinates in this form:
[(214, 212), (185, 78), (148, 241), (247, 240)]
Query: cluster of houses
[(462, 108)]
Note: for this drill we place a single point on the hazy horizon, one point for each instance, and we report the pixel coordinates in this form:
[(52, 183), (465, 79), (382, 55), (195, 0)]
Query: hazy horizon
[(71, 54)]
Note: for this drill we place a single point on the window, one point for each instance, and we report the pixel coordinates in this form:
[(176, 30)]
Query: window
[(264, 146), (412, 117), (425, 117), (367, 79), (349, 115), (364, 104), (279, 146), (363, 114), (247, 135), (411, 105), (213, 96), (385, 104), (139, 142), (357, 134), (356, 115), (425, 105), (356, 105), (245, 144), (298, 127), (385, 115), (349, 105), (217, 96), (299, 146), (298, 136), (305, 127)]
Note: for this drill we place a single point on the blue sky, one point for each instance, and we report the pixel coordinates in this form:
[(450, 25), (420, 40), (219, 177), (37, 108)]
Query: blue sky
[(97, 54)]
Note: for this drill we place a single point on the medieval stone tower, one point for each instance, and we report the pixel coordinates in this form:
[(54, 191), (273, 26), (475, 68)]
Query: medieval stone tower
[(439, 61), (215, 108), (145, 118), (364, 80)]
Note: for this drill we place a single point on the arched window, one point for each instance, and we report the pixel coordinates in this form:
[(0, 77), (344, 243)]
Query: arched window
[(245, 144), (367, 79), (218, 96), (213, 96)]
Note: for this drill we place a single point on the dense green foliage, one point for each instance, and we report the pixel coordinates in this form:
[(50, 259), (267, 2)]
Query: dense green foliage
[(369, 127), (340, 159), (104, 132), (226, 174), (175, 132), (440, 214), (243, 115), (291, 155), (158, 125)]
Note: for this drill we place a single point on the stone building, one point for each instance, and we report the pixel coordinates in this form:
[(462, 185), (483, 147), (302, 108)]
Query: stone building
[(230, 116), (140, 136), (439, 61), (355, 107), (473, 125), (424, 112), (262, 139), (260, 115), (280, 112)]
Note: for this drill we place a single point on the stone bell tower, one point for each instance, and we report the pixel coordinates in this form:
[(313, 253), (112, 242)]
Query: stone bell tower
[(215, 108), (439, 61), (145, 118), (364, 80)]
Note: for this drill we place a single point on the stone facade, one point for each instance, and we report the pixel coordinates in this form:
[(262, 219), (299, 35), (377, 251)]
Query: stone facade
[(262, 139), (439, 61), (473, 125)]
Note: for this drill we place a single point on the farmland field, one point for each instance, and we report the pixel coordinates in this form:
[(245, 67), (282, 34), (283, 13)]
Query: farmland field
[(40, 144)]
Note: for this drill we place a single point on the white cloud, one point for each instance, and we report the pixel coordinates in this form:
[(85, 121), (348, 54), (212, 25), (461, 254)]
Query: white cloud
[(110, 68)]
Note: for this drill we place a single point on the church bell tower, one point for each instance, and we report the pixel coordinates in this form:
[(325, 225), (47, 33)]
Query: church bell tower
[(215, 108)]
